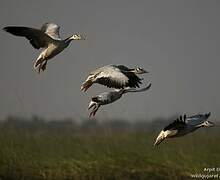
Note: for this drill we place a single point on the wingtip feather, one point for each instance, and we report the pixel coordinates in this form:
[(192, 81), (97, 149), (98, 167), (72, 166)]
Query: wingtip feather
[(5, 29)]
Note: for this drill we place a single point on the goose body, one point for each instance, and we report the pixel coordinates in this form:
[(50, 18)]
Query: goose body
[(184, 125), (47, 38), (114, 76), (110, 97)]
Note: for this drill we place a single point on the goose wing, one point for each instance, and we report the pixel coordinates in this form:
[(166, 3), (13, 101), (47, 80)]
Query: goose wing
[(137, 90), (122, 67), (178, 124), (36, 37), (113, 77), (197, 119), (133, 80), (52, 30)]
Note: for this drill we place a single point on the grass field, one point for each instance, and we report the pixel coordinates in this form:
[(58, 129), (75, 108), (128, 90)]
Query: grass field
[(36, 149)]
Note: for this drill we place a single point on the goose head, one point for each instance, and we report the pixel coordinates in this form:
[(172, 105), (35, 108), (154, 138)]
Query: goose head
[(139, 70), (77, 37), (208, 124)]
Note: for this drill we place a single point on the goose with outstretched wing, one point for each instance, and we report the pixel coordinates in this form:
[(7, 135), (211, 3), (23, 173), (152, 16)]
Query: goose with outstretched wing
[(114, 76), (184, 125), (47, 38)]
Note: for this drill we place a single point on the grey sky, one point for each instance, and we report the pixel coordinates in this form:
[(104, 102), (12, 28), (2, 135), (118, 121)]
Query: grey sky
[(177, 41)]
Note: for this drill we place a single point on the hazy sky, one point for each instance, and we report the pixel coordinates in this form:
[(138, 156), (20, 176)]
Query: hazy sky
[(177, 41)]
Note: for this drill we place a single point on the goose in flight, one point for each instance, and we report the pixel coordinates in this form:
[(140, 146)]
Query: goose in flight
[(47, 38), (114, 76), (109, 97), (184, 125)]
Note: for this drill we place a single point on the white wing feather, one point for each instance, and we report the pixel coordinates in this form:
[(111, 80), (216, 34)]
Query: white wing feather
[(52, 30), (113, 74)]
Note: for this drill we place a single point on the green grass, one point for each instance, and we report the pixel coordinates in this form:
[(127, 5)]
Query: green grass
[(40, 150)]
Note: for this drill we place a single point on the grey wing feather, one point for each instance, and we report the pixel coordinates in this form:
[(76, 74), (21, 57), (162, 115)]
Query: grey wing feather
[(52, 30), (111, 76), (134, 80), (111, 83), (137, 90), (197, 119)]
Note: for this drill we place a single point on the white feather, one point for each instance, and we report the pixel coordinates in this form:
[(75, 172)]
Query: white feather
[(114, 74), (52, 30)]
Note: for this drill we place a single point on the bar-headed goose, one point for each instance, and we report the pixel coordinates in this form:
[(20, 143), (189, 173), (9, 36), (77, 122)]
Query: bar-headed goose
[(183, 126), (47, 37), (114, 76), (109, 97)]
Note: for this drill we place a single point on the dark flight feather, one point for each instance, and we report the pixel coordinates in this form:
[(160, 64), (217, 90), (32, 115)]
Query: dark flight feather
[(37, 38), (178, 124)]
